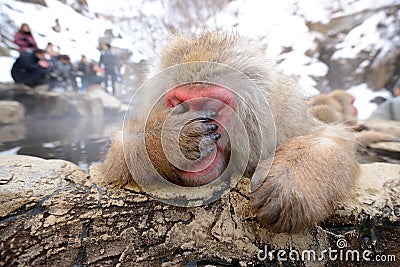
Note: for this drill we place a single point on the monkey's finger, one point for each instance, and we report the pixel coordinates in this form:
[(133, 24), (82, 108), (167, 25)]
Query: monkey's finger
[(204, 115), (211, 127), (199, 128), (215, 136)]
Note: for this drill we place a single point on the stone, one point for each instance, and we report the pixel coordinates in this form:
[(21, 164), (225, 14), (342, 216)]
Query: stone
[(39, 2), (110, 103), (360, 63), (388, 146), (26, 180), (377, 193), (11, 112), (385, 126), (44, 104), (53, 215), (96, 107), (12, 132)]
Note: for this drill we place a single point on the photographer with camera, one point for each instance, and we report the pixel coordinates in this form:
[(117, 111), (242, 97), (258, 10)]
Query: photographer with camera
[(31, 69)]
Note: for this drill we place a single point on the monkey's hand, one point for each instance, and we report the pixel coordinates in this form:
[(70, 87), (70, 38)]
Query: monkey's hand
[(196, 131), (175, 138), (309, 177)]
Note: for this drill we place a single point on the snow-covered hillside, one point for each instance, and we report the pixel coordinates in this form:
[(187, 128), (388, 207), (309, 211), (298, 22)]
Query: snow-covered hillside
[(78, 35), (317, 41)]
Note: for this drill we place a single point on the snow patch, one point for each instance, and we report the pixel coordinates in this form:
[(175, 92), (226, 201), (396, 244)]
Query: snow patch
[(363, 95), (6, 65)]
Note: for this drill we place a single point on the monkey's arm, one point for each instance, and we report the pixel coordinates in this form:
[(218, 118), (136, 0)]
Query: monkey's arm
[(309, 176), (370, 136), (115, 169), (158, 137), (326, 113)]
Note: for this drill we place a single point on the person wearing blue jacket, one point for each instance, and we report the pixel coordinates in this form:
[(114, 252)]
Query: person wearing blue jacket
[(31, 69), (109, 62)]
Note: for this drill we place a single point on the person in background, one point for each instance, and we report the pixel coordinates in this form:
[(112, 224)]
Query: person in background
[(83, 70), (24, 39), (396, 88), (31, 69), (109, 62), (51, 52), (388, 110), (51, 57), (93, 76), (63, 74)]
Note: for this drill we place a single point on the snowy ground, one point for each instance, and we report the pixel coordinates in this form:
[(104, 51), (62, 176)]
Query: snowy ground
[(5, 66), (363, 95)]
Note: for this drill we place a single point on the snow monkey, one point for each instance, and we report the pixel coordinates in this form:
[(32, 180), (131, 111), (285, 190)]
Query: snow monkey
[(338, 107), (300, 167)]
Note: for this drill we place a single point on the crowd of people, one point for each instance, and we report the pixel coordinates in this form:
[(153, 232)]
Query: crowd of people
[(35, 66)]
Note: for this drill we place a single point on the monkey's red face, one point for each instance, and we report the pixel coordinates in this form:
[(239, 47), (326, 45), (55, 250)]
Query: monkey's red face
[(354, 109), (205, 98)]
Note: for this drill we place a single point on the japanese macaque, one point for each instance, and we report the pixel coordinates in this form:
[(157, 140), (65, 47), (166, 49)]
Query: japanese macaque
[(335, 107), (338, 107), (301, 168)]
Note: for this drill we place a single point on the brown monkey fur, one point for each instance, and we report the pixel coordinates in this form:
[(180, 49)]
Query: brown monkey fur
[(337, 107), (314, 167), (334, 107)]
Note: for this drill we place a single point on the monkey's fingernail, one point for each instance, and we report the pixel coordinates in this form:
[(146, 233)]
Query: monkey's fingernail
[(212, 113), (212, 127), (207, 150), (216, 136), (211, 149)]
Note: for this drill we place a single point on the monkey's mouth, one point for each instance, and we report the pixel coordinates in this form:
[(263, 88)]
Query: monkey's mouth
[(201, 98), (208, 168), (205, 171)]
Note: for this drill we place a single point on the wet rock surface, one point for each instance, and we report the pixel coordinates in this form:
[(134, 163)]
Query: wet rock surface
[(50, 104), (11, 112)]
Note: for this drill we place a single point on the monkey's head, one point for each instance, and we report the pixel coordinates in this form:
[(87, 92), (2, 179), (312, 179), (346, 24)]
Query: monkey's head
[(206, 74), (335, 107), (348, 110)]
